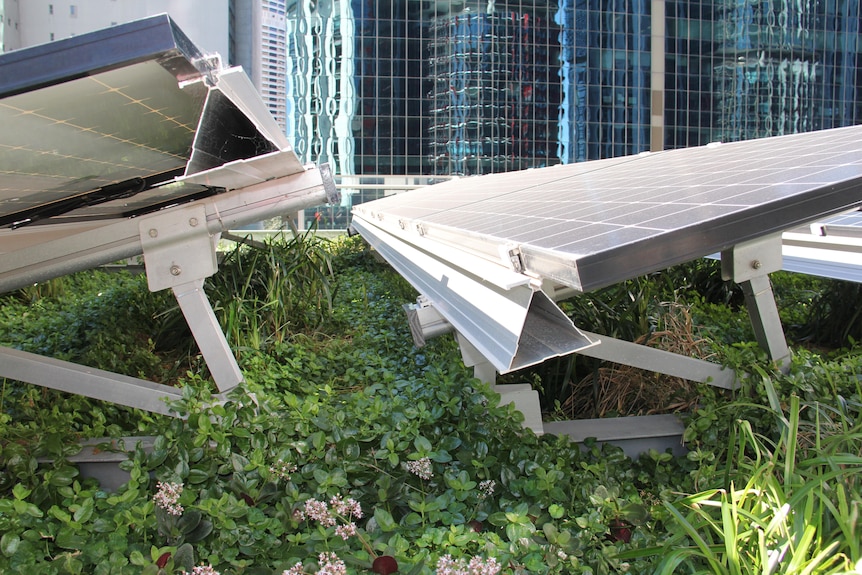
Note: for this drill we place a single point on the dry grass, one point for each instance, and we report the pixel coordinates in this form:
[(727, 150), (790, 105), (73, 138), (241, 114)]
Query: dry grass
[(621, 390)]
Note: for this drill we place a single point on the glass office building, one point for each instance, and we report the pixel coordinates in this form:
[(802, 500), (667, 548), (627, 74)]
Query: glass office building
[(445, 87)]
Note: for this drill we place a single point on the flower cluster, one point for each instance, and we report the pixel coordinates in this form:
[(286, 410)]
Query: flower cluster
[(328, 564), (328, 514), (486, 488), (318, 511), (202, 570), (282, 469), (420, 468), (346, 507), (168, 497), (476, 566)]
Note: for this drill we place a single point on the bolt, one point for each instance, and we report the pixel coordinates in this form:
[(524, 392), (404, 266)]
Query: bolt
[(176, 270), (756, 264), (193, 222), (153, 232)]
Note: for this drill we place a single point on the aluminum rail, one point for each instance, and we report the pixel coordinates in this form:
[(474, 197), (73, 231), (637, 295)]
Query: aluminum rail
[(121, 240)]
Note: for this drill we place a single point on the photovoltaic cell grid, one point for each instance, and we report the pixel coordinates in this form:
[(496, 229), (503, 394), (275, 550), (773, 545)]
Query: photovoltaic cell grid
[(850, 219), (847, 224), (593, 224), (75, 135)]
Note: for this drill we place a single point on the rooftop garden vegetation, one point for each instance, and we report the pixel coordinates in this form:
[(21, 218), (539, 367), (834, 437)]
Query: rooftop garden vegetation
[(349, 450)]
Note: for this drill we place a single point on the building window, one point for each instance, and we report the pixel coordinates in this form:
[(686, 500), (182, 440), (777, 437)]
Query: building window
[(50, 8), (73, 11), (52, 36)]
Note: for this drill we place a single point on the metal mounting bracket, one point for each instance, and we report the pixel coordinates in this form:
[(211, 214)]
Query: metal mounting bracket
[(177, 246), (749, 264), (179, 253)]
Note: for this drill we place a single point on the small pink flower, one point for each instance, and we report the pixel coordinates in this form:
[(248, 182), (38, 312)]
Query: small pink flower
[(319, 511), (168, 497), (345, 507), (330, 564), (297, 569), (202, 570), (476, 566), (346, 531), (420, 468)]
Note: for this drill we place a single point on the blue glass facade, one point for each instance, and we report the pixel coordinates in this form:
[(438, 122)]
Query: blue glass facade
[(434, 87), (494, 92), (741, 69), (605, 72)]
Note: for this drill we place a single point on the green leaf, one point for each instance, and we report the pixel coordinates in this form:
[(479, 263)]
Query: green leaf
[(137, 558), (197, 476), (384, 520), (422, 444), (556, 511), (185, 557), (68, 538), (318, 439), (516, 531), (189, 520), (59, 514), (498, 519), (203, 529), (84, 512), (20, 492), (238, 461), (156, 458), (9, 544), (63, 476)]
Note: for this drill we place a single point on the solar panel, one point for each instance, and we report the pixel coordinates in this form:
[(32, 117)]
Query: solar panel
[(95, 125), (129, 141), (593, 224), (829, 247), (848, 225)]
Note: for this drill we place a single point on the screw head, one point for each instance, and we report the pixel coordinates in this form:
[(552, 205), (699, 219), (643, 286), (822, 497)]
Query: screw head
[(176, 270), (756, 264), (153, 232)]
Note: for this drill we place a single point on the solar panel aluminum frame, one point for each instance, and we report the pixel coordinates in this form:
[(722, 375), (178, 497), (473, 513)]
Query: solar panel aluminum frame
[(829, 255), (155, 38), (513, 328), (594, 224)]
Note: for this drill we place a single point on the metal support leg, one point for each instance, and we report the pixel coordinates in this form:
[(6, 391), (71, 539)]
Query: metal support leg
[(483, 369), (523, 396), (765, 320), (749, 264), (208, 334), (179, 253)]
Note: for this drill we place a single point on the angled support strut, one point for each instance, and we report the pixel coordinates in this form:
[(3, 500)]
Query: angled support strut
[(179, 253), (749, 264)]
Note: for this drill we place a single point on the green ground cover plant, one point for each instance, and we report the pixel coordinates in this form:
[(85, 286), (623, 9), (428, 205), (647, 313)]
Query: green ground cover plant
[(348, 450)]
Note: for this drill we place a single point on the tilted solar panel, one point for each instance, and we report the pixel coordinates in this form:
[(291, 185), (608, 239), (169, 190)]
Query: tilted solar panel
[(124, 142), (593, 224), (96, 125)]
